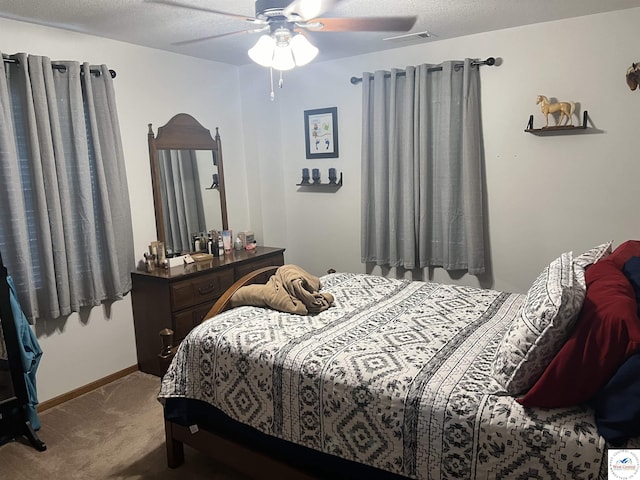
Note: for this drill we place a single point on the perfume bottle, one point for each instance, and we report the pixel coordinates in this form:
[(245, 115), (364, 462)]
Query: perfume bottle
[(220, 246)]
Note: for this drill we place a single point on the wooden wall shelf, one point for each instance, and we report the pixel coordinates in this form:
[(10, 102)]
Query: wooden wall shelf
[(558, 130)]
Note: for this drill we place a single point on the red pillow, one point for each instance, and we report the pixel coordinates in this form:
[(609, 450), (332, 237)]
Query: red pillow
[(624, 251), (606, 334)]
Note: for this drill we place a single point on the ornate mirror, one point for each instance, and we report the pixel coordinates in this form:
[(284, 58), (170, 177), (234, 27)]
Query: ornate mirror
[(188, 181)]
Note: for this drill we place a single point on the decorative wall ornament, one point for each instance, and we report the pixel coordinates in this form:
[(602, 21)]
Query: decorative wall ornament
[(321, 132), (633, 76)]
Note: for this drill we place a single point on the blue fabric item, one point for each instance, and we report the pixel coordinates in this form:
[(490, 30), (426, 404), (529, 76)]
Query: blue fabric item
[(631, 270), (30, 353), (617, 404)]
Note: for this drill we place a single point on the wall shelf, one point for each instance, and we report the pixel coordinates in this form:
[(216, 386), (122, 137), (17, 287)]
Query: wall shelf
[(322, 186), (558, 129)]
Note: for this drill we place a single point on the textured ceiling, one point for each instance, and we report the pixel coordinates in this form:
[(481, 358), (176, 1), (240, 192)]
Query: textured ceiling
[(159, 26)]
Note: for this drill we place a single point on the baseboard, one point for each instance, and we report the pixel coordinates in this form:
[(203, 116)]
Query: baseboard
[(101, 382)]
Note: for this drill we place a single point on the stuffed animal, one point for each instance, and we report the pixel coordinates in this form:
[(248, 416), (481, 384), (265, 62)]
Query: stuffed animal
[(633, 76)]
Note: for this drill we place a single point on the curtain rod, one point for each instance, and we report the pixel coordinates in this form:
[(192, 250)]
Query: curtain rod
[(488, 61), (57, 66)]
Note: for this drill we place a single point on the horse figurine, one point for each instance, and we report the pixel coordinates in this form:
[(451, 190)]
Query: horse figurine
[(566, 109)]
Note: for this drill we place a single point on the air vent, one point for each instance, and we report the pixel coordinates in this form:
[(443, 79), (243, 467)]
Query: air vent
[(411, 37)]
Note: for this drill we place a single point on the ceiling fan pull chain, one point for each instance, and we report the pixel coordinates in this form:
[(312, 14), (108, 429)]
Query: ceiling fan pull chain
[(281, 81), (273, 95)]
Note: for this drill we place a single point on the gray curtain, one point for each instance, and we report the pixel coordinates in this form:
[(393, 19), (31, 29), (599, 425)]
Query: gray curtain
[(182, 205), (65, 222), (422, 168)]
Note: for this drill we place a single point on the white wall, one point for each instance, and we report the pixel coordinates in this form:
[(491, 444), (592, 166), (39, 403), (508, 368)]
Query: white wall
[(546, 195), (151, 86)]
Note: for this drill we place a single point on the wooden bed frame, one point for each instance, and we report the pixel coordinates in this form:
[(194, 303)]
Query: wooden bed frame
[(234, 454)]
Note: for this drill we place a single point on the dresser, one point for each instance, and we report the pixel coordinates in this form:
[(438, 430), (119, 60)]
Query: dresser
[(179, 298)]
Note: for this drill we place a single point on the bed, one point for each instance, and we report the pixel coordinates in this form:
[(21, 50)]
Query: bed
[(397, 379)]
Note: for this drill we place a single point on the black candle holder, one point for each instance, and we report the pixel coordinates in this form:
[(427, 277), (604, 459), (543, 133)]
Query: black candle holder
[(305, 177), (333, 178)]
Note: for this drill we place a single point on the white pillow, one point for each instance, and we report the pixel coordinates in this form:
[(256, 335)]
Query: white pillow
[(542, 325), (593, 255)]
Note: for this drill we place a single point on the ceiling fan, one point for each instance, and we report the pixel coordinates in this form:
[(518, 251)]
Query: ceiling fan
[(285, 23)]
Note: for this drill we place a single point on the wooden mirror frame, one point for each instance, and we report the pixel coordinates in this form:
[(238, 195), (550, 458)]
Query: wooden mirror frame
[(183, 132)]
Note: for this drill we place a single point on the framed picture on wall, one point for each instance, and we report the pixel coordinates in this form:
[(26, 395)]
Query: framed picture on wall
[(321, 132)]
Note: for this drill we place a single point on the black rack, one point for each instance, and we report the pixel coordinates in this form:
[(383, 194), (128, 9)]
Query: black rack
[(558, 129), (326, 186)]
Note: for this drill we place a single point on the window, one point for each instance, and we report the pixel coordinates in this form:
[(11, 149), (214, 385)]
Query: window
[(65, 224), (422, 180)]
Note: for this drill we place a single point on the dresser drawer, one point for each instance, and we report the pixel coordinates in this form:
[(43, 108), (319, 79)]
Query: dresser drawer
[(184, 321), (205, 288)]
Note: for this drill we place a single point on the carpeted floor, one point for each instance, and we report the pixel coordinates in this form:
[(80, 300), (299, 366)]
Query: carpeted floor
[(115, 432)]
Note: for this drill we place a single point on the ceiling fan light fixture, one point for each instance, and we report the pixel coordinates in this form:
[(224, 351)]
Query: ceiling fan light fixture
[(282, 36), (282, 50), (283, 58), (262, 51), (303, 50)]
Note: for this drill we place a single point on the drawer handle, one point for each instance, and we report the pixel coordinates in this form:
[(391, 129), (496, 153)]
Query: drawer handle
[(208, 289)]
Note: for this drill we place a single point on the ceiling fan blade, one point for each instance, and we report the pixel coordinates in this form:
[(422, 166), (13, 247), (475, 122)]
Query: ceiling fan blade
[(363, 24), (205, 9), (221, 35), (307, 9)]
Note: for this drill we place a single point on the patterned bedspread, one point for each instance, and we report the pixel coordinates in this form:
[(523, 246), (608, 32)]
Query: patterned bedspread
[(395, 375)]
